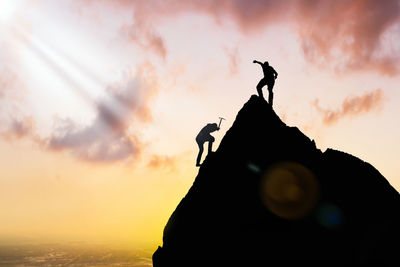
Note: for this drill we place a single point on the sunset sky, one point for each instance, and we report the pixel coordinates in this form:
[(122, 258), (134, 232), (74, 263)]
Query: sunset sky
[(101, 100)]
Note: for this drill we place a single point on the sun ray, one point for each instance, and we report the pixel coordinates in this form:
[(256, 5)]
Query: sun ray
[(57, 64)]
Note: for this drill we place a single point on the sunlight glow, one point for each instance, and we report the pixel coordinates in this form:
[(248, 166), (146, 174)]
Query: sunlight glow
[(8, 9)]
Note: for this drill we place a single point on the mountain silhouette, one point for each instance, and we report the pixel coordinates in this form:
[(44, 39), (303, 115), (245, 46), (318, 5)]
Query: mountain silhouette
[(269, 197)]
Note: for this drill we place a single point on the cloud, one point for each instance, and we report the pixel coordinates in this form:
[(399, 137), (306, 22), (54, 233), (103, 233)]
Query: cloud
[(233, 56), (19, 128), (11, 85), (248, 14), (353, 35), (162, 162), (351, 106), (146, 37), (7, 82), (113, 135), (358, 35)]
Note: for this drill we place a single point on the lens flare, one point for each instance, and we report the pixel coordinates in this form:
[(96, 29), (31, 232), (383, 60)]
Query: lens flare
[(289, 190), (329, 216)]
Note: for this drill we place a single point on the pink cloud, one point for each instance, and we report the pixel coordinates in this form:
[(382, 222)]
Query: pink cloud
[(349, 34), (7, 82), (233, 56), (112, 135), (19, 128), (11, 85), (342, 35), (351, 106), (146, 37), (162, 162)]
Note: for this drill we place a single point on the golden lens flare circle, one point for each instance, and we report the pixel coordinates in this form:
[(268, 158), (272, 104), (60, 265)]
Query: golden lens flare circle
[(289, 190)]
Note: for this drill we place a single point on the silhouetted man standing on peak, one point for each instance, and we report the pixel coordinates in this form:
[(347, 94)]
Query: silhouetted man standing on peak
[(269, 79), (205, 136)]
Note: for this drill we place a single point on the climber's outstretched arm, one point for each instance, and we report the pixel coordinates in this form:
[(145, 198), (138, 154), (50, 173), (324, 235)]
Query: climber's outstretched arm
[(258, 62)]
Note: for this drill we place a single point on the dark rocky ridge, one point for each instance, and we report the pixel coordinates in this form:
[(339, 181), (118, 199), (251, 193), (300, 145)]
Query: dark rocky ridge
[(351, 214)]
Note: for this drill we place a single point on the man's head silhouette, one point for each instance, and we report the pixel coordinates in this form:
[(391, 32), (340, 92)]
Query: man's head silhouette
[(266, 63)]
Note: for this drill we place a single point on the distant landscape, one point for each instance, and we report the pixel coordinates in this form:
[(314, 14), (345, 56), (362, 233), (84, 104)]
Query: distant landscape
[(71, 254)]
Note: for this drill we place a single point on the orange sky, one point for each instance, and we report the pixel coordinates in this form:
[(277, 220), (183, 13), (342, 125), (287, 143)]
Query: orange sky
[(100, 101)]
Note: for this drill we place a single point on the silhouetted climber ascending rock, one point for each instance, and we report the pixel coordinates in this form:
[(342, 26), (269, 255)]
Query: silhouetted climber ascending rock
[(269, 79), (205, 136)]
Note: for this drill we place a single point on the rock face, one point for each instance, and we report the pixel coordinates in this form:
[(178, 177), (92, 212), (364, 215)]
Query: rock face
[(268, 197)]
